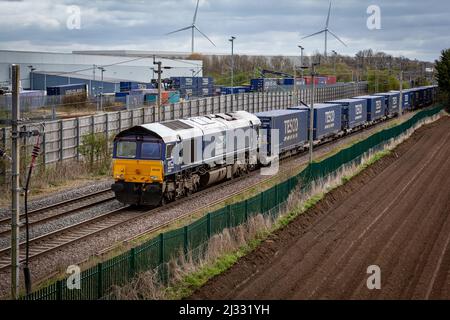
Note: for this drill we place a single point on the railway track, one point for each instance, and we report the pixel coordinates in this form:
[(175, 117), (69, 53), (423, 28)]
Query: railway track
[(60, 238), (58, 210)]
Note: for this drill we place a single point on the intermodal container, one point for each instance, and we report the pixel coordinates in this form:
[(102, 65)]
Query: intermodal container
[(184, 82), (354, 112), (331, 79), (287, 81), (68, 89), (391, 102), (263, 84), (205, 92), (375, 107), (234, 90), (188, 92), (203, 82), (292, 127), (126, 86), (327, 119), (406, 100)]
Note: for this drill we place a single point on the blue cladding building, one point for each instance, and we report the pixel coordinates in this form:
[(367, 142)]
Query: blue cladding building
[(41, 81)]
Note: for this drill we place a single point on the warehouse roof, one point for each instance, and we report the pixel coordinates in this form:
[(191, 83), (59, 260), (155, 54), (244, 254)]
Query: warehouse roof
[(81, 76)]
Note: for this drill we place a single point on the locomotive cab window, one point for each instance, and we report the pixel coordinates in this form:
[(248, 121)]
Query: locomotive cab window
[(151, 150), (126, 149)]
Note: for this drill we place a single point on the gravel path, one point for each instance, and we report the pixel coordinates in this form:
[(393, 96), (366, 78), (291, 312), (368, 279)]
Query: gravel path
[(45, 266)]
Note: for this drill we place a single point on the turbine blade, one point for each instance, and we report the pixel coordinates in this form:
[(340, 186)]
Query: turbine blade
[(314, 34), (205, 36), (195, 14), (179, 30), (337, 38), (328, 17)]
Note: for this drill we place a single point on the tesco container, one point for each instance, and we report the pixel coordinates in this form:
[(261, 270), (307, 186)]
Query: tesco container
[(184, 82), (392, 102), (327, 119), (263, 84), (126, 86), (203, 82), (354, 112), (406, 100), (292, 127), (331, 80), (375, 107), (67, 90)]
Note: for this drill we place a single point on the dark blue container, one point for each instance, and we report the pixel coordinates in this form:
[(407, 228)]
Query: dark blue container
[(292, 126), (66, 90), (206, 91), (327, 119), (287, 81), (354, 112), (392, 102), (263, 84), (406, 100), (203, 82), (375, 107), (234, 90), (188, 92), (130, 85), (184, 82)]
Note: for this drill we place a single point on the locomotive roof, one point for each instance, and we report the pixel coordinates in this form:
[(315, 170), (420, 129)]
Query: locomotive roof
[(184, 129)]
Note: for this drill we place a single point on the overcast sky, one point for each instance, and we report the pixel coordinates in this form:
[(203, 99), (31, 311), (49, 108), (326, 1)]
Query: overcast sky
[(413, 28)]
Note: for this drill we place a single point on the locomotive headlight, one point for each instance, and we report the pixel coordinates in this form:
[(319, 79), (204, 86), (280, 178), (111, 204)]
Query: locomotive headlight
[(154, 178), (120, 176)]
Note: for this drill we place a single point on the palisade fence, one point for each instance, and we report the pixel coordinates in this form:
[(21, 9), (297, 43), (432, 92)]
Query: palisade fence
[(155, 254), (62, 138)]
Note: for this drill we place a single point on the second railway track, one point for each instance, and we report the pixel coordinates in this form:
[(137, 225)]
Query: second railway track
[(58, 210)]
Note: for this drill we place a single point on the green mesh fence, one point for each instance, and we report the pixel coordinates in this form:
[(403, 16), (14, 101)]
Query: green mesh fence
[(97, 281)]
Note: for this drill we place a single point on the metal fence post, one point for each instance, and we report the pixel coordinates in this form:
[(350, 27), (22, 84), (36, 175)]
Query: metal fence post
[(186, 240), (132, 269), (99, 280), (208, 225), (59, 289), (61, 141), (229, 216), (44, 149), (107, 131), (93, 124), (246, 210), (78, 139)]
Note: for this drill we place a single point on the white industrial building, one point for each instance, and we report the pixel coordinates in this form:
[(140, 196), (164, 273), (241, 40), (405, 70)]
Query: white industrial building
[(139, 69)]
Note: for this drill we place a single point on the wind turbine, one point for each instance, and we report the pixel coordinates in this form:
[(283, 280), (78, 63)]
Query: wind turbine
[(193, 27), (326, 31)]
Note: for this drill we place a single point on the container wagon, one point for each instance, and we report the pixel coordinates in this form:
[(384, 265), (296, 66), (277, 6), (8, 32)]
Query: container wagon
[(391, 103), (354, 113), (327, 120), (292, 126), (375, 107)]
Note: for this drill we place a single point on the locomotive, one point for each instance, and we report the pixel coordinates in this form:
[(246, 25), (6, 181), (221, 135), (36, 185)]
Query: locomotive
[(160, 162)]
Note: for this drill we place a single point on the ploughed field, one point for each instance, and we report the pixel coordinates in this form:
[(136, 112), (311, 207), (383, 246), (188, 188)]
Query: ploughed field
[(395, 215)]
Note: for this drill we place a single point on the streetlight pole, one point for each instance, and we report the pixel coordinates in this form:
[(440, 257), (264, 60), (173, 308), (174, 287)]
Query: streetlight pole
[(232, 60), (15, 189), (301, 58), (101, 97), (334, 61)]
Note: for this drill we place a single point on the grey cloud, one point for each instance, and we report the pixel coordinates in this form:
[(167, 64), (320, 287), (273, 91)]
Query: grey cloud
[(416, 28)]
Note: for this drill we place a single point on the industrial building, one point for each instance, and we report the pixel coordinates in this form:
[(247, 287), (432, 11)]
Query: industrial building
[(69, 68)]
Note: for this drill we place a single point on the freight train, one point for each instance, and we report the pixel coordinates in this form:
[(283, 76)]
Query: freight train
[(160, 162)]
